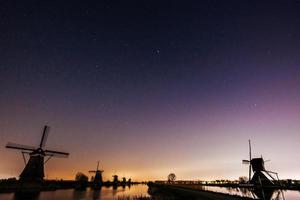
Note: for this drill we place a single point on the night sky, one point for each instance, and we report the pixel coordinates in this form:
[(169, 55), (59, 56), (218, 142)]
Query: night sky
[(151, 87)]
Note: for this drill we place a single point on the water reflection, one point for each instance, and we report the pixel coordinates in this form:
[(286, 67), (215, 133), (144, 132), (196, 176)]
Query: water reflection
[(114, 191), (79, 194), (244, 192), (89, 194), (96, 194), (257, 194), (278, 194)]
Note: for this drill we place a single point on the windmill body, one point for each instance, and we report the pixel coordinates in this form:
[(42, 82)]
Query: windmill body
[(34, 169), (129, 181), (98, 175), (115, 179), (124, 180), (260, 176)]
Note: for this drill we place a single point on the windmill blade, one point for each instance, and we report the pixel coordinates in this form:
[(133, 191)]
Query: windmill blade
[(250, 150), (92, 171), (246, 161), (97, 166), (250, 158), (267, 160), (11, 145), (44, 136), (56, 153)]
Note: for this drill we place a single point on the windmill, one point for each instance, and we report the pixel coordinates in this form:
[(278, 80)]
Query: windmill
[(98, 175), (115, 179), (261, 176), (129, 181), (124, 180), (34, 168)]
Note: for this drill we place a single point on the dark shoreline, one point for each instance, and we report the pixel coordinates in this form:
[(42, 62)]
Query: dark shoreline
[(52, 185)]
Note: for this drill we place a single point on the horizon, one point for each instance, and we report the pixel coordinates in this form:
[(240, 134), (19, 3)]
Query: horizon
[(150, 88)]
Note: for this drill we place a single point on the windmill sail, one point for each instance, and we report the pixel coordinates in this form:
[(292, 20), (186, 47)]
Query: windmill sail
[(44, 136), (11, 145), (250, 158), (56, 153), (246, 162)]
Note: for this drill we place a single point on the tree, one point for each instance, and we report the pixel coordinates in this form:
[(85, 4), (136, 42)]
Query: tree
[(81, 177), (171, 177)]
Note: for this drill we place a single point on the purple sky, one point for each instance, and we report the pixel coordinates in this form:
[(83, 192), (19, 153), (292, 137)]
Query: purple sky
[(152, 88)]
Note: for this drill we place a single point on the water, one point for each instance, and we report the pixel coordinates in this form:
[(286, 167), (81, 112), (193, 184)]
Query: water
[(140, 190), (233, 191), (244, 192), (88, 194)]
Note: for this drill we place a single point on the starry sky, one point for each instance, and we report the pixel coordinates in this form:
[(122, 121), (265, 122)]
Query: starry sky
[(151, 87)]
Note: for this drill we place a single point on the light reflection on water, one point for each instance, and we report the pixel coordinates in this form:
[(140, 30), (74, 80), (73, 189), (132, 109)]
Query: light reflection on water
[(245, 192), (290, 195), (274, 195), (88, 194), (233, 191)]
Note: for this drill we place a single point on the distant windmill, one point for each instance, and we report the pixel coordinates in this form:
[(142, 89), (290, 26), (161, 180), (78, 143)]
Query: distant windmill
[(261, 176), (115, 179), (34, 169), (129, 181), (124, 180), (98, 175)]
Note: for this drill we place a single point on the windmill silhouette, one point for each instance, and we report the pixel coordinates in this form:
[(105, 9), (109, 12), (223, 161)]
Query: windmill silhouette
[(129, 181), (261, 176), (98, 175), (123, 180), (115, 179), (34, 169)]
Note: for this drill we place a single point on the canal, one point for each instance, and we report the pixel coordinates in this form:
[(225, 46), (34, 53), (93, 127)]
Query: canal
[(88, 194), (274, 195), (127, 193), (244, 192)]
